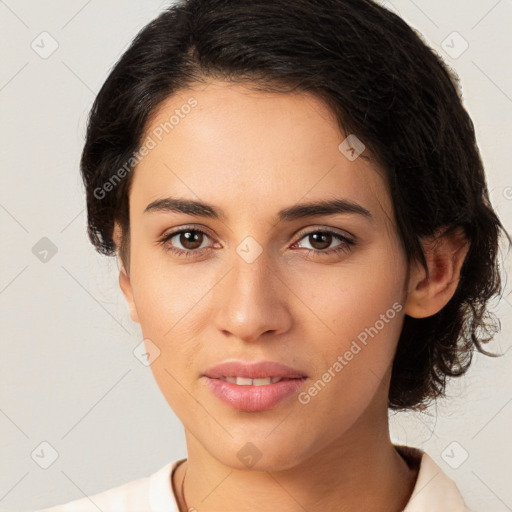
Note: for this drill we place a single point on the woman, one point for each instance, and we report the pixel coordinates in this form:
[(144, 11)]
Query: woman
[(299, 208)]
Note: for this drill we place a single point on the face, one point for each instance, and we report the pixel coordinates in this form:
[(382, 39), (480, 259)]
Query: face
[(321, 293)]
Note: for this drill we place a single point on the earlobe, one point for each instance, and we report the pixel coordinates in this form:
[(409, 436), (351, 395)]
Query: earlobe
[(124, 278), (126, 287), (430, 292)]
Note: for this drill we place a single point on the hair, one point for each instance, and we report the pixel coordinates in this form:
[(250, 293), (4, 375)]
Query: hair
[(382, 82)]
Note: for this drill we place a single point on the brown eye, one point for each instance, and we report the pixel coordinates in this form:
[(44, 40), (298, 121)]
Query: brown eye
[(321, 240), (186, 241), (191, 239)]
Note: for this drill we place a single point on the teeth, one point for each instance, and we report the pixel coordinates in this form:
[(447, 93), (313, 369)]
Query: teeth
[(243, 381)]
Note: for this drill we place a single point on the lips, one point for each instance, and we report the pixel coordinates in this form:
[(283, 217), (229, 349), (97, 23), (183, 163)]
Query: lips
[(247, 370), (253, 386)]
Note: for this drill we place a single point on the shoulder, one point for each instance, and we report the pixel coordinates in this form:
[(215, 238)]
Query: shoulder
[(433, 490), (140, 494)]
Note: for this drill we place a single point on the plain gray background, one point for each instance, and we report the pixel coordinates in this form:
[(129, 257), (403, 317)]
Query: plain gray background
[(68, 373)]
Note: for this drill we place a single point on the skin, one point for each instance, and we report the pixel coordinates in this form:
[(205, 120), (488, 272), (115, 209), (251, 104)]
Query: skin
[(252, 154)]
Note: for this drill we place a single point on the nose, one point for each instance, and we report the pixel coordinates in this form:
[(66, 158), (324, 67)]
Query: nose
[(252, 300)]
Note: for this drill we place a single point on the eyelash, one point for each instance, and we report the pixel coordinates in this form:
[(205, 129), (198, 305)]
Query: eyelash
[(344, 247)]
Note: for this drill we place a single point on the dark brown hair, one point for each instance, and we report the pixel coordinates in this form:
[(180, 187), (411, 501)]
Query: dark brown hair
[(382, 82)]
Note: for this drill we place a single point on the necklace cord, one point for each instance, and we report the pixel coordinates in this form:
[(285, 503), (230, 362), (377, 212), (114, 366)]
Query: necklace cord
[(183, 491)]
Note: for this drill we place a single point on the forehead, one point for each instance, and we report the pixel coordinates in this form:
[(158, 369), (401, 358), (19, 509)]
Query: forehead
[(251, 152)]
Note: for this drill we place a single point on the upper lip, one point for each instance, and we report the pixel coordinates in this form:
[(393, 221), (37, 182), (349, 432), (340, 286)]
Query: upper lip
[(259, 370)]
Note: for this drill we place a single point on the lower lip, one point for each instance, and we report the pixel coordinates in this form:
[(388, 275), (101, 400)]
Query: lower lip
[(254, 398)]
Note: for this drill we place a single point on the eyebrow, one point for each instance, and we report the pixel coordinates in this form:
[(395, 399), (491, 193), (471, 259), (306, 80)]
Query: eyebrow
[(298, 211)]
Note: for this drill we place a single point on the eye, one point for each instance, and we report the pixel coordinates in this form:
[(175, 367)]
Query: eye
[(189, 238), (322, 239)]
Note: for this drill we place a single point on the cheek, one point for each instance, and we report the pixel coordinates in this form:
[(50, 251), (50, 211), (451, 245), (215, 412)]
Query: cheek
[(170, 312), (351, 367), (350, 297), (358, 312), (168, 297), (170, 302)]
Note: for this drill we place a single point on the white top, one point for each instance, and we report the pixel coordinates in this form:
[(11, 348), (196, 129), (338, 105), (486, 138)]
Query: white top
[(433, 491)]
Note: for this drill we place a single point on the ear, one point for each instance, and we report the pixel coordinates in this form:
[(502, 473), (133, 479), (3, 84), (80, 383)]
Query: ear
[(124, 279), (429, 293)]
